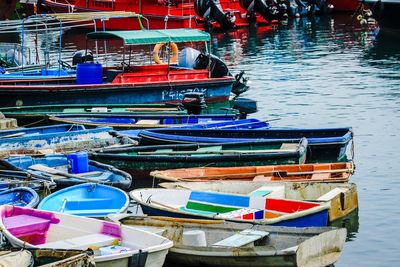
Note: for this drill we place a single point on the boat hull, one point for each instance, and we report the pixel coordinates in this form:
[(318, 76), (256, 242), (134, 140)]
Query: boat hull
[(17, 95), (344, 5)]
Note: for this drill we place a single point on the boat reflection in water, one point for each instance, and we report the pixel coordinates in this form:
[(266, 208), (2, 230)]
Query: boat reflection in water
[(351, 223)]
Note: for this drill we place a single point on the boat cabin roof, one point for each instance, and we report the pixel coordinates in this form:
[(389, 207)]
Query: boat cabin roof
[(142, 37)]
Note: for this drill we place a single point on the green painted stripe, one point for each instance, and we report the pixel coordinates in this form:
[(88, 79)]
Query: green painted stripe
[(207, 207)]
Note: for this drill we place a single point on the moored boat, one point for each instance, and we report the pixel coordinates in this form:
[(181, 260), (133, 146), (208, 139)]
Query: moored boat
[(45, 257), (11, 179), (342, 198), (113, 245), (19, 196), (88, 170), (91, 200), (151, 83), (344, 5), (237, 244), (64, 137), (230, 207), (321, 172), (140, 160), (324, 145), (142, 121)]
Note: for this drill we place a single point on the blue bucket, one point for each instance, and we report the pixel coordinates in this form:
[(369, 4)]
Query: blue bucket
[(89, 73), (78, 162)]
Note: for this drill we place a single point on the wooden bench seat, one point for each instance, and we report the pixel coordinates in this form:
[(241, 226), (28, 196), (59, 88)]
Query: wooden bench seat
[(242, 238), (82, 242)]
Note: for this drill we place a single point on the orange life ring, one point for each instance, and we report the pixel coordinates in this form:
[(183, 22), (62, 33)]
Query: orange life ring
[(174, 49)]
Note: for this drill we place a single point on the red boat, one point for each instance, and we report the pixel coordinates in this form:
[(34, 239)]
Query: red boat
[(165, 13), (345, 5)]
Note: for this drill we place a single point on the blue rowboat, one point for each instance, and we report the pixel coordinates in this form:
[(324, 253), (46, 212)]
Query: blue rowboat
[(11, 179), (19, 196), (59, 137), (324, 145), (90, 199), (230, 207), (103, 173), (141, 121)]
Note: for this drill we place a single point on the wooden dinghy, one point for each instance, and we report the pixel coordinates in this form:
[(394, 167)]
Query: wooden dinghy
[(323, 172), (113, 245), (19, 196), (17, 257), (55, 167), (342, 198), (324, 145), (91, 200), (139, 161), (139, 121), (230, 207), (63, 137), (219, 243)]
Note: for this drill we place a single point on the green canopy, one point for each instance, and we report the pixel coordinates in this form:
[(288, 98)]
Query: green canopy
[(152, 36)]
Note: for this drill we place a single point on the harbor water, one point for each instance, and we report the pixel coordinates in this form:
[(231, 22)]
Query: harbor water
[(326, 72)]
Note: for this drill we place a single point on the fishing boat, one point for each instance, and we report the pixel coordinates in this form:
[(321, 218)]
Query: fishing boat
[(139, 161), (11, 179), (140, 121), (324, 145), (19, 196), (57, 167), (230, 207), (342, 198), (90, 199), (45, 257), (128, 83), (222, 243), (63, 137), (386, 12), (321, 172), (113, 245)]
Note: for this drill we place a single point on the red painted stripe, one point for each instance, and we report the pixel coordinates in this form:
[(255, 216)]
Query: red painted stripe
[(288, 206)]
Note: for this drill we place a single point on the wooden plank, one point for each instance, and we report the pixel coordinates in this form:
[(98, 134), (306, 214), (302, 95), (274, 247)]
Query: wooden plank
[(241, 239)]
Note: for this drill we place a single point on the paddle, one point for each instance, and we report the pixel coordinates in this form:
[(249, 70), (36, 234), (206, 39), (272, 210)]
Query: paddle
[(215, 152), (12, 135), (45, 169)]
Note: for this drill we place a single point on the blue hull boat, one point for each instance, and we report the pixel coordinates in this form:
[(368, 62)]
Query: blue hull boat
[(141, 121), (103, 173), (91, 200), (230, 207), (59, 137), (11, 179), (324, 145), (19, 196)]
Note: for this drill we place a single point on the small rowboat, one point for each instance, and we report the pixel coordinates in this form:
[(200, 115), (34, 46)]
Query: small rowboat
[(91, 200), (97, 172), (139, 121), (342, 198), (321, 172), (139, 161), (46, 257), (59, 137), (235, 244), (113, 245), (230, 207), (324, 145), (19, 196)]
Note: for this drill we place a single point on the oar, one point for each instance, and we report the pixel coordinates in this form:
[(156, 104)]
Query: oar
[(12, 135), (246, 123), (45, 169), (63, 205)]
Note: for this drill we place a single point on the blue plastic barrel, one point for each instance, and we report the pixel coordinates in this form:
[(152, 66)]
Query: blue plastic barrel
[(78, 162), (89, 73)]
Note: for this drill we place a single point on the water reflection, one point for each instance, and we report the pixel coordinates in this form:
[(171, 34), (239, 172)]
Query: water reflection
[(351, 223)]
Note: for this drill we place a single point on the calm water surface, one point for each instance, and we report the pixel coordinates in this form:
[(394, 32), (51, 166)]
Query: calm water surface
[(318, 73)]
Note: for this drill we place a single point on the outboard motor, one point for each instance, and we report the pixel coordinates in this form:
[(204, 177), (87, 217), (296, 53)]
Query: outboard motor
[(82, 56), (194, 103), (245, 106), (218, 68), (268, 9), (211, 10)]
